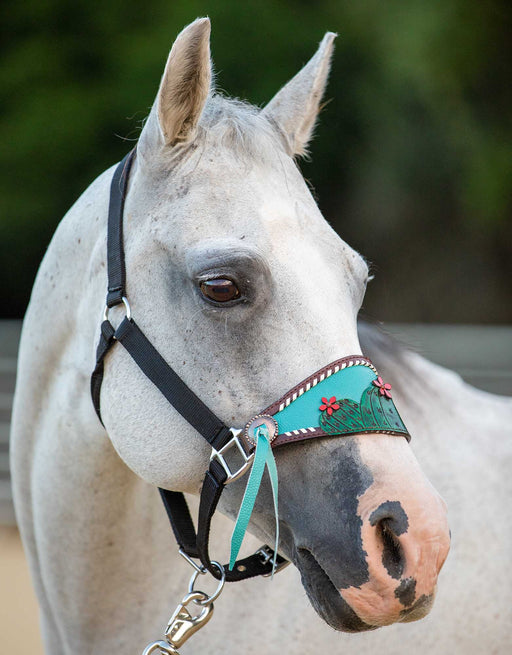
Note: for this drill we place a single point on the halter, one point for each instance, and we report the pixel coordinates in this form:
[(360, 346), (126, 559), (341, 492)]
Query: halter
[(345, 397)]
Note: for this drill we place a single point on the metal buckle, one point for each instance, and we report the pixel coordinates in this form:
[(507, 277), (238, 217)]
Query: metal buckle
[(270, 556), (219, 456)]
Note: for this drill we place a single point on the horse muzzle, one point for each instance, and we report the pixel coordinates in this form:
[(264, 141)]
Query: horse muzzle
[(371, 542)]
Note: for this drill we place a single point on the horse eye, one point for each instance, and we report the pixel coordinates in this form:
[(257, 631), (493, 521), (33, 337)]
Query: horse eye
[(220, 290)]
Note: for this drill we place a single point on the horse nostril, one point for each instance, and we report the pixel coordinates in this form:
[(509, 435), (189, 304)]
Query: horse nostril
[(391, 521), (393, 557)]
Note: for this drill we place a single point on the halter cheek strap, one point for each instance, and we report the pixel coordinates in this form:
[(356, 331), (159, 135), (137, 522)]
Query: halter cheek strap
[(344, 398)]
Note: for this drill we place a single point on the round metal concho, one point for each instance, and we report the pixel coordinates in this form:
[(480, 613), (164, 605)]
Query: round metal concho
[(262, 419)]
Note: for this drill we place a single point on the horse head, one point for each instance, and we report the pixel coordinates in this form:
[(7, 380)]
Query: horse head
[(245, 289)]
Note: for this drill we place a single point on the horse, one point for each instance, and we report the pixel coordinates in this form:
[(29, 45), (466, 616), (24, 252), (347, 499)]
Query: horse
[(245, 289)]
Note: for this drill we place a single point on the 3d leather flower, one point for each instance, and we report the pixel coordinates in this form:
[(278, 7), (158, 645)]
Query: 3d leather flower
[(384, 387), (329, 405)]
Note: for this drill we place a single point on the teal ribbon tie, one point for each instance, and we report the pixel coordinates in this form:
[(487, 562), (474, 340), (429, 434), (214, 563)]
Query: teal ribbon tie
[(262, 457)]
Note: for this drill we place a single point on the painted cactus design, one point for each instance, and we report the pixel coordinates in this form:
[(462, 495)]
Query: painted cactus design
[(379, 412), (375, 412), (345, 419)]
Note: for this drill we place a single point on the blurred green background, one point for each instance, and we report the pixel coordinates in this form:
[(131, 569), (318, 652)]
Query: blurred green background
[(412, 163)]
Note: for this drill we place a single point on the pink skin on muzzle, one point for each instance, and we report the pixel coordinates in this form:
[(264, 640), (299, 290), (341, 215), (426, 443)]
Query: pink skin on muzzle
[(404, 533)]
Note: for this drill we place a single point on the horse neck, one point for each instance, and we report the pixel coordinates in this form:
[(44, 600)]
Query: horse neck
[(61, 329), (450, 421), (440, 398), (105, 508)]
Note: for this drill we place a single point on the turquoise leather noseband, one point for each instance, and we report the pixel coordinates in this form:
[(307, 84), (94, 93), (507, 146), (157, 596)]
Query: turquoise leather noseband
[(344, 398)]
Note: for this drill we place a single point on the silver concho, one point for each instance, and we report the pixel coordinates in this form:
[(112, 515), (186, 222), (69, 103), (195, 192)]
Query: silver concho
[(262, 419)]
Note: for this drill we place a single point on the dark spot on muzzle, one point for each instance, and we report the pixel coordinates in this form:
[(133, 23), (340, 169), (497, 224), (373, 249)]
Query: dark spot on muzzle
[(325, 598), (326, 526), (406, 591), (333, 532), (418, 610)]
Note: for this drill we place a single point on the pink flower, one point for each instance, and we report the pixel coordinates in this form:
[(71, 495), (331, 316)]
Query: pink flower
[(329, 405), (384, 387)]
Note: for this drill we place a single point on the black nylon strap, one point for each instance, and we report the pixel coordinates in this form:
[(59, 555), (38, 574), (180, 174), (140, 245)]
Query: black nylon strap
[(213, 430), (115, 247), (105, 342), (197, 546), (249, 567), (171, 385), (180, 520)]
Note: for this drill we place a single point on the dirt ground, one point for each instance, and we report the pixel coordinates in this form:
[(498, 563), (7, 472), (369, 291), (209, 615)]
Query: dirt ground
[(19, 620)]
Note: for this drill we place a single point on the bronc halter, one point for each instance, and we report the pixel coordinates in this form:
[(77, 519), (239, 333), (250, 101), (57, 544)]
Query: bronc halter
[(345, 397)]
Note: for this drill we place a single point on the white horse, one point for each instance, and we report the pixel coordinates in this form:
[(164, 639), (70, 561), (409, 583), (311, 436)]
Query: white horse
[(215, 195)]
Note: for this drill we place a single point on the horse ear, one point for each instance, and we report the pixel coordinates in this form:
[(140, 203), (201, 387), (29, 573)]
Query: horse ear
[(295, 107), (184, 88)]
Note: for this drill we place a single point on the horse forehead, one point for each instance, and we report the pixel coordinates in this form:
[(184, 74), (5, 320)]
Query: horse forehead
[(221, 176), (249, 200), (266, 203)]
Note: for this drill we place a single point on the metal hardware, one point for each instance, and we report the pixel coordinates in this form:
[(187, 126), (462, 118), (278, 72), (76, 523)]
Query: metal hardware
[(161, 648), (269, 421), (182, 624), (126, 306), (219, 455), (207, 600), (270, 556), (198, 567)]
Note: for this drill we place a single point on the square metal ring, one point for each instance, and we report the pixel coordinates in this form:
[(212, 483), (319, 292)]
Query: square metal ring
[(234, 442)]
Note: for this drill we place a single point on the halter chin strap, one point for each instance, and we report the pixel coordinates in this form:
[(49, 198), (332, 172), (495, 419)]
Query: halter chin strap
[(344, 398)]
